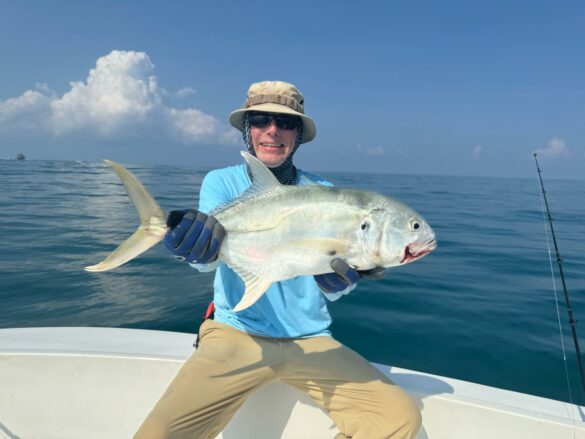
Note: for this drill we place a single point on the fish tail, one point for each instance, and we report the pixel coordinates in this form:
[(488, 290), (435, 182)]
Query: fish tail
[(152, 227)]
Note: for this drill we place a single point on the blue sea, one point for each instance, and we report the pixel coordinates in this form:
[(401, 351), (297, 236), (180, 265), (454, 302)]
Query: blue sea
[(480, 308)]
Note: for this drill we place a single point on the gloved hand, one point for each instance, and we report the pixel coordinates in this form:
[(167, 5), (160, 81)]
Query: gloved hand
[(343, 276), (194, 236)]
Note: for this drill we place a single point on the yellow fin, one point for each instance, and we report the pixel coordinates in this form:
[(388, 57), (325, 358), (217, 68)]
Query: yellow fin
[(152, 227), (144, 202), (140, 241)]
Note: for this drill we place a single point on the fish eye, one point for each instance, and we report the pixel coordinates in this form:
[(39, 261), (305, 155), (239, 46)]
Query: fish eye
[(414, 224), (364, 225)]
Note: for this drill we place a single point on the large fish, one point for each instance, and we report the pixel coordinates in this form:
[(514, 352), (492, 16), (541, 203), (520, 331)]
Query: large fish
[(276, 232)]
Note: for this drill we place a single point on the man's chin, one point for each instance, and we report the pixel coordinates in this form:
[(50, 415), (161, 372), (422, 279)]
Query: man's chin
[(273, 165), (272, 162)]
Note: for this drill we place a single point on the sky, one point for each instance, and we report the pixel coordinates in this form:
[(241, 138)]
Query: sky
[(400, 87)]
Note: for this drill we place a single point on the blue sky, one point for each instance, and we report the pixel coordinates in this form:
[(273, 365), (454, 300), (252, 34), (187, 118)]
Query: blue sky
[(455, 88)]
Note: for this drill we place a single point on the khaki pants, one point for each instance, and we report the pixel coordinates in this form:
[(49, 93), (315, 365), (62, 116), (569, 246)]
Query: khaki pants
[(230, 365)]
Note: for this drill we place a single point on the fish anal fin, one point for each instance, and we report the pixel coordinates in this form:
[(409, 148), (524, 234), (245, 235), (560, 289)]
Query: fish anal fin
[(256, 285), (253, 292)]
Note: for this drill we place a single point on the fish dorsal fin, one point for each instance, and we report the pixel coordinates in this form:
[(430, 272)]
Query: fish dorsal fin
[(262, 179)]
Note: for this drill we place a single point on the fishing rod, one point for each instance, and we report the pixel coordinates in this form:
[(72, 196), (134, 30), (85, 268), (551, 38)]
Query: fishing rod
[(572, 320)]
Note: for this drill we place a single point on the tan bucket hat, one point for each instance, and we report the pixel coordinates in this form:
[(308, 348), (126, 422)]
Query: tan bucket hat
[(275, 97)]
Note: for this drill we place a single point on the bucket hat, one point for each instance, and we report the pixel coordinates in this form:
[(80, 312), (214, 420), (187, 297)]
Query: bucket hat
[(275, 97)]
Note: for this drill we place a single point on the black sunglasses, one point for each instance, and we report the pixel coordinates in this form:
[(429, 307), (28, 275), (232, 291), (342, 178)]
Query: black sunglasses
[(283, 122)]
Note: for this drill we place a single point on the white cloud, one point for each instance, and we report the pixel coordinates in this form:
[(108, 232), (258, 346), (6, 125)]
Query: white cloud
[(184, 92), (45, 89), (191, 124), (556, 147), (119, 91), (120, 96), (26, 113)]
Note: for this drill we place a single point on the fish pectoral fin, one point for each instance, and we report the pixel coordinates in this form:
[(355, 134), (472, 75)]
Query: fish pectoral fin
[(140, 241), (256, 286)]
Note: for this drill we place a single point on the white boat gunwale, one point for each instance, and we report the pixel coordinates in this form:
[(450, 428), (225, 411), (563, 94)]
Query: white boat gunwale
[(434, 393)]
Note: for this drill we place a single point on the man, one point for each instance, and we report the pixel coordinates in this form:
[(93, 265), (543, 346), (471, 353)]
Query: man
[(284, 335)]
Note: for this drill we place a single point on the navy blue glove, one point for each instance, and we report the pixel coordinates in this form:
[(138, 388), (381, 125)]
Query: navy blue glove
[(194, 237), (343, 276)]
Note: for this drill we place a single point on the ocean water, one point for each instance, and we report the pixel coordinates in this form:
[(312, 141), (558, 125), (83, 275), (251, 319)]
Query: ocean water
[(480, 308)]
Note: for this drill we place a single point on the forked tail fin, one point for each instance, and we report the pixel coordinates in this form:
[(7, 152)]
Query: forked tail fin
[(152, 227)]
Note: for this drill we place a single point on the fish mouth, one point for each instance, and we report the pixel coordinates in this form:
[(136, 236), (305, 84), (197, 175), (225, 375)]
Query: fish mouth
[(415, 251)]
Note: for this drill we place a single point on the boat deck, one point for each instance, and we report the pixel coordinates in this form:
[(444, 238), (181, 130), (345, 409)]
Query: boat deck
[(60, 383)]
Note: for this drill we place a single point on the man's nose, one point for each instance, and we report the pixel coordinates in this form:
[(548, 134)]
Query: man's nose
[(272, 128)]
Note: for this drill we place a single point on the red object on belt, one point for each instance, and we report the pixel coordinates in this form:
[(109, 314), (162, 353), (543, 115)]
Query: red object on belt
[(210, 311), (208, 315)]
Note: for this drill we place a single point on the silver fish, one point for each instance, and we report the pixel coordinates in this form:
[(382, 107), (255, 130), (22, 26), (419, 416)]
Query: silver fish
[(276, 232)]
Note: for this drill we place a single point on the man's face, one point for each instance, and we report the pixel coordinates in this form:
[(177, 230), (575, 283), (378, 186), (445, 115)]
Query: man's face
[(273, 145)]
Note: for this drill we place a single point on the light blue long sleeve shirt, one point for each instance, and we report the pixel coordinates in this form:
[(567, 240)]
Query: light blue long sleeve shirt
[(290, 308)]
